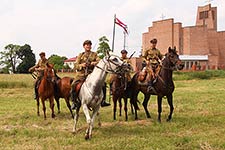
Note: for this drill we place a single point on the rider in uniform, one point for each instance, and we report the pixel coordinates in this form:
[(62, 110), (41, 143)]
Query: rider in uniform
[(84, 65), (125, 59), (39, 67), (153, 58)]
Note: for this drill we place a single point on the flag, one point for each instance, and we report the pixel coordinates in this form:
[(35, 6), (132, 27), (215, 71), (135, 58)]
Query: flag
[(120, 23)]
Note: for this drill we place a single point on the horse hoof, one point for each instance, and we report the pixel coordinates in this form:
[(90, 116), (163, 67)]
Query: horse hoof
[(99, 124), (53, 115), (168, 120), (74, 132), (87, 137)]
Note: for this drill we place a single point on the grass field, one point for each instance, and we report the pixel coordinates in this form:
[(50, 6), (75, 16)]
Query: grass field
[(198, 121)]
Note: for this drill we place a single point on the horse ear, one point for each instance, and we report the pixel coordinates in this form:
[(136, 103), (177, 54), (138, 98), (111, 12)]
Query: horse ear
[(169, 49)]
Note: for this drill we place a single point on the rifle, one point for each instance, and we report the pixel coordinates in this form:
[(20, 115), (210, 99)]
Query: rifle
[(88, 63)]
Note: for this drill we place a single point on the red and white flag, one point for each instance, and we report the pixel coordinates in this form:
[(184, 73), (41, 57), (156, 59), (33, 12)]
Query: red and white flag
[(120, 23)]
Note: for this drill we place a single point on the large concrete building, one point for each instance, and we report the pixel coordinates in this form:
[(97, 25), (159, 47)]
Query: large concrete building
[(200, 45)]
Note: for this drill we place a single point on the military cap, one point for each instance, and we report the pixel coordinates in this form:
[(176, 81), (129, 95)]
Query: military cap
[(153, 41), (42, 54), (123, 51), (87, 42)]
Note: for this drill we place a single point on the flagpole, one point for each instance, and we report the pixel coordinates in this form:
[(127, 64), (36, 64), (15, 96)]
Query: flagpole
[(124, 40), (113, 32)]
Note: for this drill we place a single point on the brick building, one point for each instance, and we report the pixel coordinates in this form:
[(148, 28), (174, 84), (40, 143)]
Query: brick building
[(200, 45)]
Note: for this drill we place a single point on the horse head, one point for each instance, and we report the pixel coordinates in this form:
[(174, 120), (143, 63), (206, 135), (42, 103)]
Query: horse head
[(115, 64), (49, 72), (174, 59)]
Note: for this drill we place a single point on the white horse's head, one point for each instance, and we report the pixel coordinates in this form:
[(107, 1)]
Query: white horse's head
[(114, 63)]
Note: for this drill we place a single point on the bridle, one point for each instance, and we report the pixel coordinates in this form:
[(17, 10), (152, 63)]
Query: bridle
[(109, 69)]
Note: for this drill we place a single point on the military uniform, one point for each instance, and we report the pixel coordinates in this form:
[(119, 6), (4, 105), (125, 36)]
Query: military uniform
[(41, 66), (127, 75), (152, 57), (85, 57)]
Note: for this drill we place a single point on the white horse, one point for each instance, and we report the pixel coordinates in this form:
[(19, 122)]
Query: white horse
[(91, 93)]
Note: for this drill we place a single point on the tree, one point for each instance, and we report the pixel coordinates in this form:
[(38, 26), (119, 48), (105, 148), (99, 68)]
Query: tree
[(26, 55), (9, 57), (58, 61), (103, 46)]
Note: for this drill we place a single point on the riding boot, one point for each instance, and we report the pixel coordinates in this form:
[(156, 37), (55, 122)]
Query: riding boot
[(104, 103)]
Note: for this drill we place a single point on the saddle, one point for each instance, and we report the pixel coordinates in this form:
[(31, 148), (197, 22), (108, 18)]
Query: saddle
[(148, 74), (78, 85)]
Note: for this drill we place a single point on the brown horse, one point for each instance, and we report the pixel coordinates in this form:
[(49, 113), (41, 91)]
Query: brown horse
[(63, 91), (163, 86), (46, 90), (120, 89)]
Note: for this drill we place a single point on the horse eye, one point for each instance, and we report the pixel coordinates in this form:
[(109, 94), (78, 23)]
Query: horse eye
[(115, 59)]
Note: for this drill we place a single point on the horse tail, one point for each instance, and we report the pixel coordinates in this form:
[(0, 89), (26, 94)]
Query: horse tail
[(133, 98)]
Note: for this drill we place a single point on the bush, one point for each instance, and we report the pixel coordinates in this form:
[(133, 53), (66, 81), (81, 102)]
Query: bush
[(208, 74)]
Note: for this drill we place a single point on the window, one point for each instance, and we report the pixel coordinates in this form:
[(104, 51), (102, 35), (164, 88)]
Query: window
[(203, 15)]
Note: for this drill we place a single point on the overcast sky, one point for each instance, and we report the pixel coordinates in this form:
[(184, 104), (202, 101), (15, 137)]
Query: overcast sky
[(60, 26)]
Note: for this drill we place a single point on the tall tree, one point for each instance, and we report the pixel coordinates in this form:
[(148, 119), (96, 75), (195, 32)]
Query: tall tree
[(58, 61), (103, 46), (9, 57), (26, 55)]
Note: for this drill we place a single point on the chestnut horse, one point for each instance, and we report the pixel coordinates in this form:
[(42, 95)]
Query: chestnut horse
[(63, 91), (120, 89), (163, 86), (46, 89)]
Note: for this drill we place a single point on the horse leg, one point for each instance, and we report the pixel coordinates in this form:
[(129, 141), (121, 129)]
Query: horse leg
[(120, 105), (125, 108), (76, 117), (99, 120), (51, 100), (145, 105), (88, 119), (159, 100), (95, 112), (131, 107), (38, 104), (114, 106), (170, 102), (58, 104), (44, 108), (69, 106), (134, 103)]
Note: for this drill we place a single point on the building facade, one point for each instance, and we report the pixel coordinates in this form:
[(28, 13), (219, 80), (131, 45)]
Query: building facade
[(200, 47)]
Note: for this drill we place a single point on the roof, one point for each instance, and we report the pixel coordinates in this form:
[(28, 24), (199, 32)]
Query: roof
[(73, 59), (193, 57)]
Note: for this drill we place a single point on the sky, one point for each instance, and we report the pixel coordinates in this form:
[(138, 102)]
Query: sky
[(61, 26)]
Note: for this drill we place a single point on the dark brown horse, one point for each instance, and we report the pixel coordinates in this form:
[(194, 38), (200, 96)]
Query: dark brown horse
[(163, 86), (62, 90), (46, 90), (120, 89)]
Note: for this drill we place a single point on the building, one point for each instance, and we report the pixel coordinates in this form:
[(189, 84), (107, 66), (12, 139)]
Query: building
[(200, 45), (70, 62)]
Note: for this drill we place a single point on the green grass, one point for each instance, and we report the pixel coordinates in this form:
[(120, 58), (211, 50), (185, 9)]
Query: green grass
[(198, 121)]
